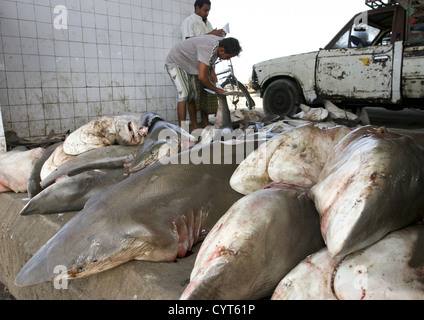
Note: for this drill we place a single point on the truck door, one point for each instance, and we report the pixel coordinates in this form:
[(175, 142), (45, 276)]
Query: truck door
[(364, 62)]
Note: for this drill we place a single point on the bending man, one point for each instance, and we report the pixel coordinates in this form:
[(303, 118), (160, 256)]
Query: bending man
[(192, 58), (197, 24)]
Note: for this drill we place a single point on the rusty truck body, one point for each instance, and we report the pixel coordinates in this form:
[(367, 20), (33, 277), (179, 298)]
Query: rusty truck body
[(376, 59)]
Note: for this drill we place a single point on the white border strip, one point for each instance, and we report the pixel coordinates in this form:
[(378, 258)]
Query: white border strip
[(2, 135)]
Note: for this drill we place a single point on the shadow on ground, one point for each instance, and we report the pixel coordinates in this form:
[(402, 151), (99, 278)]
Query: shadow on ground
[(4, 293)]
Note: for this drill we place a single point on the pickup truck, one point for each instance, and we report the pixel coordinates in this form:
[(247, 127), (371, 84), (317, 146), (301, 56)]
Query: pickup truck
[(377, 59)]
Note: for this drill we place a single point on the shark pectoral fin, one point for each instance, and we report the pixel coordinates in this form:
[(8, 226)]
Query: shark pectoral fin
[(156, 250), (153, 244)]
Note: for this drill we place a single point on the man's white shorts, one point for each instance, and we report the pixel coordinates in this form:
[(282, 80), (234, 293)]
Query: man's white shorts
[(183, 82)]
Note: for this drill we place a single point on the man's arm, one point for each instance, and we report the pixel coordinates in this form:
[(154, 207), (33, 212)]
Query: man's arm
[(215, 32), (205, 80), (218, 32), (213, 76)]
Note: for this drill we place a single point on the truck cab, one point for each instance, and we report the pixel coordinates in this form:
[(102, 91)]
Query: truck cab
[(377, 58)]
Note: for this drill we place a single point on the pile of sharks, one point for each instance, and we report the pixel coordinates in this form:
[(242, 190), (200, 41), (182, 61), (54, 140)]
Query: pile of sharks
[(287, 210)]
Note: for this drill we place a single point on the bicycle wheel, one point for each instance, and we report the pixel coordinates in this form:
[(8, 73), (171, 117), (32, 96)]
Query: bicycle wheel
[(235, 101)]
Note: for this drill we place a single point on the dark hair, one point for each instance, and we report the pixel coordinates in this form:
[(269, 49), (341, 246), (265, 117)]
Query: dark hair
[(201, 3), (231, 46)]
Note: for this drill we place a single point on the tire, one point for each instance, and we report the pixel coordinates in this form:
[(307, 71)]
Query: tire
[(250, 103), (281, 98)]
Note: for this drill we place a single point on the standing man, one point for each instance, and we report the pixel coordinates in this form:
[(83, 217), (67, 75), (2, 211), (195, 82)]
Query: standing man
[(194, 58), (197, 24)]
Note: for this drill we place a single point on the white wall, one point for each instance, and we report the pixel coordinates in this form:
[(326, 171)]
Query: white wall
[(109, 60)]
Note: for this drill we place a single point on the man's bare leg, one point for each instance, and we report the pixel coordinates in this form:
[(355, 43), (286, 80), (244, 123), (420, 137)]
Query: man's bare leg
[(181, 112), (205, 119), (193, 116)]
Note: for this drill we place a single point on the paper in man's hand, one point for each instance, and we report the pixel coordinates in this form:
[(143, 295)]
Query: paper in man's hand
[(226, 28)]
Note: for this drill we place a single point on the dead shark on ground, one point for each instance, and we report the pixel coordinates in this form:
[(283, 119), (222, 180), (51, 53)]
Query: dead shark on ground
[(156, 214)]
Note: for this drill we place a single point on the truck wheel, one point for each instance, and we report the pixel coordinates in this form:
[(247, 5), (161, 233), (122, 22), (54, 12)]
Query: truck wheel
[(281, 97)]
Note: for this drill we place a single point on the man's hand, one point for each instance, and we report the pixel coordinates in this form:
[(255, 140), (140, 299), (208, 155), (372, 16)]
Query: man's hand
[(220, 91), (218, 32), (206, 81)]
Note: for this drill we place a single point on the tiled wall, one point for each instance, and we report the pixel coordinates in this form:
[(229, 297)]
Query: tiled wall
[(108, 60)]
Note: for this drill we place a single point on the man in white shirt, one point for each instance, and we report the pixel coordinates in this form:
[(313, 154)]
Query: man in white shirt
[(191, 59), (196, 25)]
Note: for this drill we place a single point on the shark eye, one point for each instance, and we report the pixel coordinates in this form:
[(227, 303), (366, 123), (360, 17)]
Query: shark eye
[(129, 126)]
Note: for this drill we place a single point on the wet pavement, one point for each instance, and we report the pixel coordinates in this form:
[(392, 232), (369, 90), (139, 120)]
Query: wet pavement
[(406, 118)]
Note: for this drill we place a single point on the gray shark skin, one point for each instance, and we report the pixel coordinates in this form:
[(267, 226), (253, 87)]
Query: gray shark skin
[(156, 214), (178, 139), (415, 134), (259, 240), (153, 154), (223, 114), (371, 184), (162, 134), (34, 179), (115, 156), (71, 194)]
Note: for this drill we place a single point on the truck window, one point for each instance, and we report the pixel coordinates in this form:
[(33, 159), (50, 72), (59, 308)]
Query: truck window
[(375, 31), (386, 39), (358, 37), (364, 36), (343, 41)]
